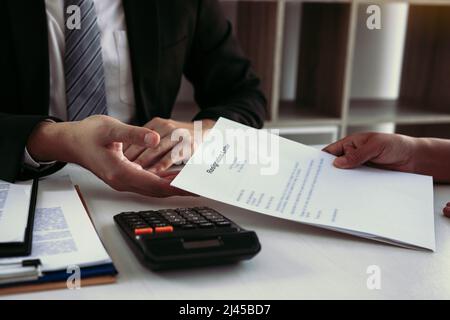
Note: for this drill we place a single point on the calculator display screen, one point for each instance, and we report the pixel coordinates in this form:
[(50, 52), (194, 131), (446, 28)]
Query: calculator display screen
[(202, 244)]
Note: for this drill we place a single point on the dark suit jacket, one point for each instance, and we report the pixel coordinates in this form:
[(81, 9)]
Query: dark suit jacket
[(167, 38)]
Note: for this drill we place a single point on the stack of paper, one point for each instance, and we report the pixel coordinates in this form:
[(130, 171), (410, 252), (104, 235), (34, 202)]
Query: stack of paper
[(288, 180), (64, 237), (14, 208)]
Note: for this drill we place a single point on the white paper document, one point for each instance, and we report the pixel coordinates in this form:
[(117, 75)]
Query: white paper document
[(301, 184), (63, 233), (14, 209)]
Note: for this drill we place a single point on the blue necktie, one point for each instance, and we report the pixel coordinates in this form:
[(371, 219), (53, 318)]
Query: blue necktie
[(83, 64)]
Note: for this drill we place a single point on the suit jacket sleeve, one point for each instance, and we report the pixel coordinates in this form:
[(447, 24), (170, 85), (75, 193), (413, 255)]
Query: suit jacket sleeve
[(14, 133), (224, 83)]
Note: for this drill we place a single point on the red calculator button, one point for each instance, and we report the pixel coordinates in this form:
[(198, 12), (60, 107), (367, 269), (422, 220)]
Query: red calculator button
[(142, 231), (164, 229)]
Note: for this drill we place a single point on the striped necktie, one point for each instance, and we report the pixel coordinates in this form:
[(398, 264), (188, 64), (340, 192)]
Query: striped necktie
[(83, 64)]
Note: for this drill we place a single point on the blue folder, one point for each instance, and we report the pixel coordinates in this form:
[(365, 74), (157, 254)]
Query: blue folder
[(62, 276)]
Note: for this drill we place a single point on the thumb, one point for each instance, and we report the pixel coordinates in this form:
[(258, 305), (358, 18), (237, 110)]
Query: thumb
[(356, 156), (128, 134)]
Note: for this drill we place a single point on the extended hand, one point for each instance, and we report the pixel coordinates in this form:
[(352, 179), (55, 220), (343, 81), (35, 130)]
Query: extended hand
[(447, 210), (178, 142), (387, 151), (96, 144)]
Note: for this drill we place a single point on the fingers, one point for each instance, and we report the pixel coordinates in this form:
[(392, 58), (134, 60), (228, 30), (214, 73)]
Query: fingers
[(133, 152), (355, 156), (169, 159), (355, 150), (141, 181), (128, 134), (336, 148), (447, 210), (165, 163), (163, 127), (177, 154), (150, 156), (168, 175)]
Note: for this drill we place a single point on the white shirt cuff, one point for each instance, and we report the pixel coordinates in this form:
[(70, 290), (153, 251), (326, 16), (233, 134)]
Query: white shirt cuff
[(29, 161)]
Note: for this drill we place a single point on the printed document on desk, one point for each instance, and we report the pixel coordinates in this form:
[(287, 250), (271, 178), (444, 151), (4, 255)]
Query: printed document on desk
[(304, 186), (14, 209), (63, 233)]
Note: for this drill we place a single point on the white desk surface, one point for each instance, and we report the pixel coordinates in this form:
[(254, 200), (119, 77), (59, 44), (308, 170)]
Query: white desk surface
[(296, 261)]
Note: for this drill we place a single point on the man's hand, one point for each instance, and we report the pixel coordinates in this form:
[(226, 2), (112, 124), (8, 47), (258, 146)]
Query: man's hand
[(447, 210), (395, 152), (175, 136), (96, 144), (387, 151)]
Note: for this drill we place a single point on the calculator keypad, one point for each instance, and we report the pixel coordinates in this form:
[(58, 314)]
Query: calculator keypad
[(170, 220)]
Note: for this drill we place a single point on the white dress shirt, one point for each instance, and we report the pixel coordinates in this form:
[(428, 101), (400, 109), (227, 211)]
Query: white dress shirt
[(116, 62)]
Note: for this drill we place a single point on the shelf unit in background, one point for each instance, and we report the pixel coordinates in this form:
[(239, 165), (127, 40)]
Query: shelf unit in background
[(324, 45)]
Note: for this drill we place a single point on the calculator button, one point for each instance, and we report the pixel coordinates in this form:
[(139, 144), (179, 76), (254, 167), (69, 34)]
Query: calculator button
[(178, 221), (217, 220), (159, 225), (188, 211), (155, 221), (212, 215), (164, 229), (135, 222), (207, 211), (183, 210), (149, 213), (132, 217), (223, 224), (206, 214), (170, 218), (170, 214), (190, 214), (172, 211), (150, 221), (140, 226), (141, 231), (151, 216)]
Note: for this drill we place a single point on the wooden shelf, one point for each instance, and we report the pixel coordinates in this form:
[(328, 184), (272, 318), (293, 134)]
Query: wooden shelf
[(255, 28), (291, 113), (325, 44), (437, 130), (376, 111), (322, 58)]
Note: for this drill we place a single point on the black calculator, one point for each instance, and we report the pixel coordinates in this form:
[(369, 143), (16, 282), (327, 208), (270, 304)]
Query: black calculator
[(186, 237)]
